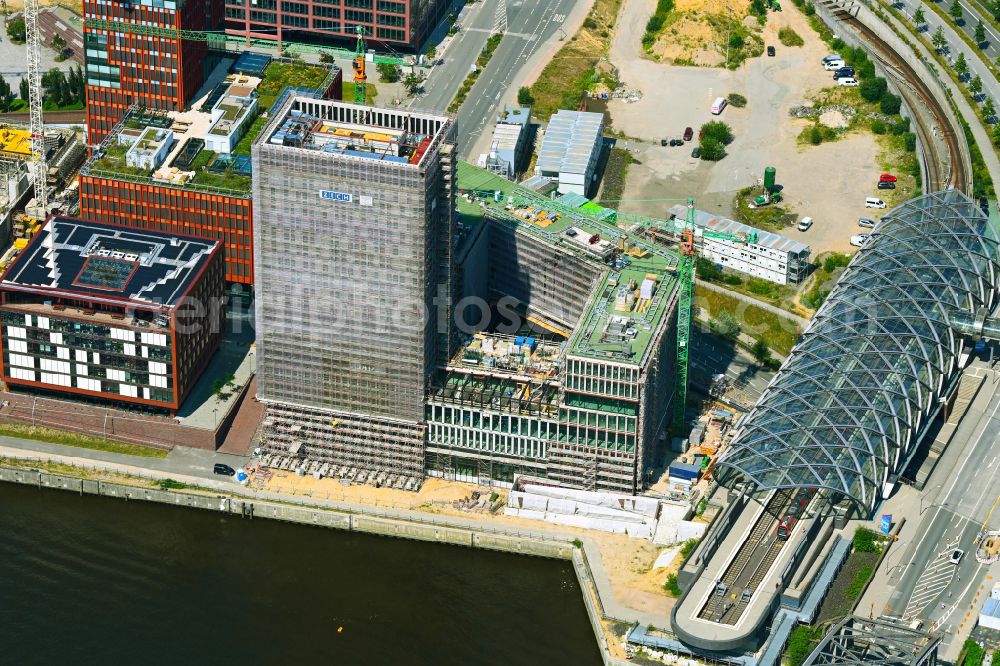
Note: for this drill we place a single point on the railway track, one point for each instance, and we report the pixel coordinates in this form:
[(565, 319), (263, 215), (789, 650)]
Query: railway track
[(945, 168)]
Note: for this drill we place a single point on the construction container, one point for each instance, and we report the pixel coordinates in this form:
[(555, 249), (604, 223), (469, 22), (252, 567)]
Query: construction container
[(696, 435), (685, 471), (770, 173)]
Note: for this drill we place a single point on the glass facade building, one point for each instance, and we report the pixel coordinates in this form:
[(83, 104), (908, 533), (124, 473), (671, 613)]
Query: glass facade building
[(850, 404)]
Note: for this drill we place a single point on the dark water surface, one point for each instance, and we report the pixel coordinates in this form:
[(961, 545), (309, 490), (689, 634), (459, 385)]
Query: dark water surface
[(87, 580)]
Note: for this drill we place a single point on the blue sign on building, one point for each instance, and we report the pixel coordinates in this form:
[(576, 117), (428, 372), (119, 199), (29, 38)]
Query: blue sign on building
[(886, 522), (342, 197)]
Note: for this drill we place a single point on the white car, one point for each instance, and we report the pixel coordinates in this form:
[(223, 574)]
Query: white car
[(847, 81), (833, 65), (956, 556), (805, 223), (874, 202), (858, 240)]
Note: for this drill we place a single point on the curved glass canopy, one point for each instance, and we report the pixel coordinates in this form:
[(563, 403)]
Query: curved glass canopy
[(846, 409)]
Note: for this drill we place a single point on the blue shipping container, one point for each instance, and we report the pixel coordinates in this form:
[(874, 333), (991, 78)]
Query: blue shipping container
[(685, 471)]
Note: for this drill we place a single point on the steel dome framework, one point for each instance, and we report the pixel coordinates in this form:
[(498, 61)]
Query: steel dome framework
[(847, 408)]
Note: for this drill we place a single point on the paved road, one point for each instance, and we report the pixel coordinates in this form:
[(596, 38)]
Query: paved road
[(957, 45), (529, 25), (712, 356), (957, 500)]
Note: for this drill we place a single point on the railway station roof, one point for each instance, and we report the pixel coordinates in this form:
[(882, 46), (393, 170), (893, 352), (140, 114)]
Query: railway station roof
[(848, 407)]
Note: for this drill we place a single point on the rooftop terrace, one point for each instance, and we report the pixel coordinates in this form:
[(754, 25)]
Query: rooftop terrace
[(206, 156), (615, 326)]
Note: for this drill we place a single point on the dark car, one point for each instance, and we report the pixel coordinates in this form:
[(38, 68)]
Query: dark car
[(224, 470), (677, 142), (886, 186), (696, 153), (843, 72), (770, 51), (984, 205), (688, 133), (664, 142)]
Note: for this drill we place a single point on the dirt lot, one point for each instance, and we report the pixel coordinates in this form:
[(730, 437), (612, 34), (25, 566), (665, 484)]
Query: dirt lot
[(821, 182)]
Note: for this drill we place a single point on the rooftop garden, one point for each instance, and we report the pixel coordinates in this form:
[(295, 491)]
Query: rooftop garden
[(279, 75)]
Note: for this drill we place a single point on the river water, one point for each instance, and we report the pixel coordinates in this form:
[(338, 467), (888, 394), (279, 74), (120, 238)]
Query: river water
[(88, 580)]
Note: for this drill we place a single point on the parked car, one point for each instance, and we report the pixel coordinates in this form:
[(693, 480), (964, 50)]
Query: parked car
[(696, 153), (886, 185), (984, 206), (850, 81), (224, 470), (858, 240), (833, 65), (677, 142), (866, 222), (874, 202), (805, 223), (843, 73), (688, 133), (956, 556), (887, 178), (664, 142), (832, 56), (770, 51)]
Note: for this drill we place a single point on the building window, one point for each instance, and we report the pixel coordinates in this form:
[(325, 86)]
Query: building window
[(295, 7), (394, 7), (389, 33), (294, 21), (360, 17), (358, 4), (388, 19)]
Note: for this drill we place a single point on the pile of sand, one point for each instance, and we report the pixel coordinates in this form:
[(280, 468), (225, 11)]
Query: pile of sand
[(834, 119)]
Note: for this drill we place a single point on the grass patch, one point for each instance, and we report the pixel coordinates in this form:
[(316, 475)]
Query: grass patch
[(225, 181), (688, 547), (66, 438), (789, 37), (571, 71), (857, 585), (972, 654), (823, 279), (737, 100), (202, 160), (484, 59), (847, 586), (868, 541), (243, 147), (170, 484), (347, 92), (656, 23), (778, 333), (280, 75), (773, 217), (615, 174), (801, 643)]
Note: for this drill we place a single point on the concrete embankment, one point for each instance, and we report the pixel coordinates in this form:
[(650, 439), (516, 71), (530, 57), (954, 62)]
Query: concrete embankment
[(556, 547)]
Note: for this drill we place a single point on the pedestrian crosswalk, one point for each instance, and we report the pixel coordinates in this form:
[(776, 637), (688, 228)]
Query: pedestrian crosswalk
[(932, 582)]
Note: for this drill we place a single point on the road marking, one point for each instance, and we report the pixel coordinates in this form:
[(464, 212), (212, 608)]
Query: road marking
[(932, 582)]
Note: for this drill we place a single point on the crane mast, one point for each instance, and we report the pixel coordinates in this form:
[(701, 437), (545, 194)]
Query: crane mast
[(36, 126), (360, 76)]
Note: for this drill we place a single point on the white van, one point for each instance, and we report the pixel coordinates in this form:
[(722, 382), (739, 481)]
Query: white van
[(718, 105), (805, 223), (874, 202), (833, 65)]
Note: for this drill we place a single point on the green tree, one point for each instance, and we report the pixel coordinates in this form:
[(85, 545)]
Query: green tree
[(431, 51), (889, 104), (961, 67), (918, 16), (815, 135), (25, 91), (719, 131), (726, 325), (388, 72), (872, 89), (712, 149), (938, 40), (976, 85), (411, 83), (989, 111), (760, 351), (16, 30), (58, 43), (997, 61), (524, 96), (980, 33), (956, 11), (996, 135), (6, 94), (735, 41)]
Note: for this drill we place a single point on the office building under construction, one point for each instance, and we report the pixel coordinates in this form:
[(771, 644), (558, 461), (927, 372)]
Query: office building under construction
[(353, 221), (559, 366)]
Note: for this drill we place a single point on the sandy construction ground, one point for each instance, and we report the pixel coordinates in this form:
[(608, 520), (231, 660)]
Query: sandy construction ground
[(828, 182)]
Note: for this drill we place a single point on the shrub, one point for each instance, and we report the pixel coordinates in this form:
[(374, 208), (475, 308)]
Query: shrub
[(718, 130), (809, 10), (815, 135), (389, 73), (910, 142), (878, 127), (760, 351), (835, 261), (867, 541), (889, 104), (789, 37), (16, 30), (725, 326), (524, 96), (688, 547), (671, 586), (712, 149), (735, 41), (872, 89), (737, 100)]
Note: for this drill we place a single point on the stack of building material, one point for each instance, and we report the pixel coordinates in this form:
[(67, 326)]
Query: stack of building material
[(608, 512)]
